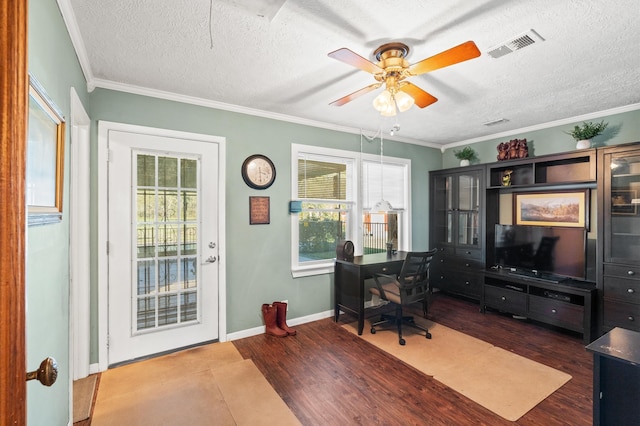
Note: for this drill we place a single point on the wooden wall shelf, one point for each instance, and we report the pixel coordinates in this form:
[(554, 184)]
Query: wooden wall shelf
[(558, 169)]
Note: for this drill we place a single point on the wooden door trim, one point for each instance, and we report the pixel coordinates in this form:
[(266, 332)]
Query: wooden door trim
[(14, 89)]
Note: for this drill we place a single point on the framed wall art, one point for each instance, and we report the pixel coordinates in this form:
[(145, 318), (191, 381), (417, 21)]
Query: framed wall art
[(565, 208), (259, 213), (45, 157)]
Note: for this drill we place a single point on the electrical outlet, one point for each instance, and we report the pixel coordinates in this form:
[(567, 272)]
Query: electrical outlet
[(287, 302)]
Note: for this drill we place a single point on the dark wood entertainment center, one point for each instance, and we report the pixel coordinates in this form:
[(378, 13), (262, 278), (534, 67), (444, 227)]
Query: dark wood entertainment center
[(466, 205)]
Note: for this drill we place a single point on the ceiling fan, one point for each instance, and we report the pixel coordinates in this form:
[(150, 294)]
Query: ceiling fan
[(392, 70)]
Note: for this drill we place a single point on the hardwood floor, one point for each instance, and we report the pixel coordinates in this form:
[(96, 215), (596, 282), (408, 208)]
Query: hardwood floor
[(328, 376)]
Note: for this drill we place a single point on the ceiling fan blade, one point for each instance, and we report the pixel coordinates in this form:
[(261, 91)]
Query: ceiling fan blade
[(421, 97), (355, 94), (351, 58), (460, 53)]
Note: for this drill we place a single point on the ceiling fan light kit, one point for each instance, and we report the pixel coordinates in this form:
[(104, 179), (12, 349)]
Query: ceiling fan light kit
[(391, 71)]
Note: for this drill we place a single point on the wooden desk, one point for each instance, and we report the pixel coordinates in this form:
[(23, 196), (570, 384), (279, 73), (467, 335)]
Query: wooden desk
[(350, 276), (616, 378)]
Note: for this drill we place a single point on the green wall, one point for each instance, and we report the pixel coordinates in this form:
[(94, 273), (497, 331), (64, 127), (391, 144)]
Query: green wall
[(52, 60), (258, 257), (623, 128)]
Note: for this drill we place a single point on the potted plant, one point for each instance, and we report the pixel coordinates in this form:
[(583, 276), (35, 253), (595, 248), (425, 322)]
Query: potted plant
[(465, 155), (587, 131)]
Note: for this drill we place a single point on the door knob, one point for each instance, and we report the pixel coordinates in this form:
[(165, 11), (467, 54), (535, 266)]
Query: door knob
[(211, 259), (47, 373)]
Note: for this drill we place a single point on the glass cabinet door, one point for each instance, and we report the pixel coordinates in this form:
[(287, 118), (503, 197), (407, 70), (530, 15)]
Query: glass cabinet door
[(622, 229), (443, 209), (468, 209)]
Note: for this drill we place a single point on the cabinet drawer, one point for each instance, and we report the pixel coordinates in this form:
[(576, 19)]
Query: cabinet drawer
[(622, 289), (469, 253), (466, 284), (470, 265), (622, 271), (556, 312), (506, 300), (620, 314)]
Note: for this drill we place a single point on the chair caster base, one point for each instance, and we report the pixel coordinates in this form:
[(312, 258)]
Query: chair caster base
[(402, 342), (373, 330), (428, 335)]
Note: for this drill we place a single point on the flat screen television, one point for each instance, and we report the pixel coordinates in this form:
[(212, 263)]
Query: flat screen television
[(546, 252)]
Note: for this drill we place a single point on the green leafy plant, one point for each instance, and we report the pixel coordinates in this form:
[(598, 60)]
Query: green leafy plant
[(467, 153), (587, 130)]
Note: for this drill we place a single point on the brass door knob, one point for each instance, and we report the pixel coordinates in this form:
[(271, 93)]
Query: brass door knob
[(47, 373)]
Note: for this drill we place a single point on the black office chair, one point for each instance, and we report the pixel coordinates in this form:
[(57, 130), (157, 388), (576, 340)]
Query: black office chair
[(410, 286)]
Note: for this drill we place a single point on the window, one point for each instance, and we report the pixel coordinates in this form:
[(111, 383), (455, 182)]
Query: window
[(336, 206), (390, 182)]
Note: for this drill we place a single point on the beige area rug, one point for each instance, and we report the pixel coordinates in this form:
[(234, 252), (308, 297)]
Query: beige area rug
[(208, 385), (83, 391), (507, 384)]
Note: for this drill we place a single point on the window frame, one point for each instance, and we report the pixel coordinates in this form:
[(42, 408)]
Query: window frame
[(357, 212)]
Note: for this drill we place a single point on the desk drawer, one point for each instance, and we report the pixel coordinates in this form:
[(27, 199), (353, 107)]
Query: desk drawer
[(392, 269), (505, 300), (556, 312)]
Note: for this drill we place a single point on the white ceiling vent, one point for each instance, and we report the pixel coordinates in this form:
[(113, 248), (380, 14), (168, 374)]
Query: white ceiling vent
[(516, 43)]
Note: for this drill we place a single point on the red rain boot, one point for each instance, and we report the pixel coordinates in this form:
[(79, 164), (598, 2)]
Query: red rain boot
[(282, 318), (270, 313)]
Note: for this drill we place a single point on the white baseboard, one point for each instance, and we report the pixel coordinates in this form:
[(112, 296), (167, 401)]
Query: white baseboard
[(94, 368), (295, 321)]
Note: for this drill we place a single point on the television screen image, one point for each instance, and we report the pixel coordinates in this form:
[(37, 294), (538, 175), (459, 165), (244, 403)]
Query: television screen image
[(544, 251)]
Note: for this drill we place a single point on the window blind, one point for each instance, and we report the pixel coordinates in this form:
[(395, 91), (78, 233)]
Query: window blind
[(392, 189)]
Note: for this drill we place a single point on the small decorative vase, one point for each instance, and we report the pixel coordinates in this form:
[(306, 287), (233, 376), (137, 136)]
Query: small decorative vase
[(583, 144), (464, 162)]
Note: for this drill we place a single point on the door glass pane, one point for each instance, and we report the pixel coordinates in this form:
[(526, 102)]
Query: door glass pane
[(167, 218), (188, 173), (167, 172), (146, 170), (625, 208)]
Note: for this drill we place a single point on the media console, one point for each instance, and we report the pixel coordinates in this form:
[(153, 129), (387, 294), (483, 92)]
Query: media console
[(563, 303)]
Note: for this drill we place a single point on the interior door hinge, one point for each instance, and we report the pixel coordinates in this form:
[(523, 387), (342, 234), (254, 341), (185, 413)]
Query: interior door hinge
[(108, 155), (107, 247)]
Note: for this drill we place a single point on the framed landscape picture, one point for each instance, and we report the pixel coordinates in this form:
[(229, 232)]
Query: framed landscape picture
[(45, 157), (564, 208)]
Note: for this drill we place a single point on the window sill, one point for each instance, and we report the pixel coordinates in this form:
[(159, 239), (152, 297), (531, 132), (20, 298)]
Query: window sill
[(306, 271)]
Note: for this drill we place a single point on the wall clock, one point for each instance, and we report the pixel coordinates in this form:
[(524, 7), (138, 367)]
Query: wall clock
[(258, 171)]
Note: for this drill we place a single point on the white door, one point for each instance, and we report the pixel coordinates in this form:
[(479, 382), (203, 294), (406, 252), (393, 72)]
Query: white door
[(162, 244)]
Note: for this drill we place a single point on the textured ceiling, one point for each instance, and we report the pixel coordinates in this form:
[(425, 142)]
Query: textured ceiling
[(270, 57)]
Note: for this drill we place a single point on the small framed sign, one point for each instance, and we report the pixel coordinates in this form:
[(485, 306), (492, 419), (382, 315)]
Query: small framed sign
[(259, 211)]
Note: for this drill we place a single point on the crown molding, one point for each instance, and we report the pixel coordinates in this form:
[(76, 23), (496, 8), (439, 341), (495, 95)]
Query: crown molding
[(542, 126), (170, 96)]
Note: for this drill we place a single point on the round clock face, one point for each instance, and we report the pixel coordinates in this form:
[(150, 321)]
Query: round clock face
[(258, 171)]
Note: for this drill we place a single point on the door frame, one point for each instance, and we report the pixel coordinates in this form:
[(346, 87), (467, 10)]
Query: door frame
[(104, 127), (14, 89), (79, 227)]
